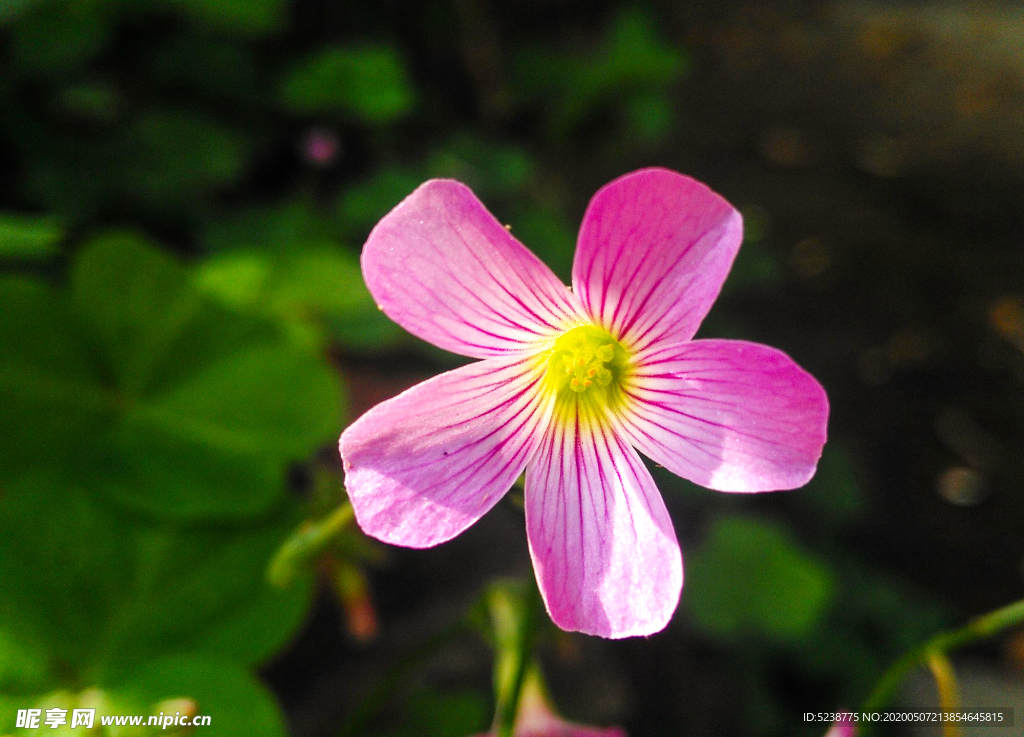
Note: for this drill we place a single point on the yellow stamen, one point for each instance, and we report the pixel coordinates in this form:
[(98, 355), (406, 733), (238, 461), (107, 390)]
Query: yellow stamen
[(587, 363)]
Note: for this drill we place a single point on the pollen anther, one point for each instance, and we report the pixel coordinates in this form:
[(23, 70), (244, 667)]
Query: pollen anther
[(583, 357)]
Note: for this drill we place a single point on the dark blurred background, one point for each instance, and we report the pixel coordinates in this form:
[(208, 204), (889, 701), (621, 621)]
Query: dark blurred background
[(184, 332)]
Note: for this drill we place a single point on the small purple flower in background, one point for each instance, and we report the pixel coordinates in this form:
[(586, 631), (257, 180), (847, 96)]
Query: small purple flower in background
[(572, 383), (321, 147)]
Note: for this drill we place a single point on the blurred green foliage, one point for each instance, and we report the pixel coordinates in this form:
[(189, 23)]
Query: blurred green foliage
[(749, 577), (368, 83), (26, 237), (97, 599), (172, 404), (439, 714), (629, 72), (131, 404)]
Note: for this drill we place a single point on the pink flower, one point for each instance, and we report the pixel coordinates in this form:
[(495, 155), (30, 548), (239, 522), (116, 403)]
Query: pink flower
[(572, 382)]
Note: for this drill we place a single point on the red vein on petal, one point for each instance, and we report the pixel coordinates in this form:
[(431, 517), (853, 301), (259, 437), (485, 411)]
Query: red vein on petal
[(514, 435), (509, 293)]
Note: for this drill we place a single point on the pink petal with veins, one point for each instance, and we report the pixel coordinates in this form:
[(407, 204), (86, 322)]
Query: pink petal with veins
[(653, 251), (444, 269), (727, 414), (422, 467), (601, 540)]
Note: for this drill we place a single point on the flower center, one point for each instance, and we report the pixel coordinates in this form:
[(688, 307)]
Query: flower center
[(586, 362)]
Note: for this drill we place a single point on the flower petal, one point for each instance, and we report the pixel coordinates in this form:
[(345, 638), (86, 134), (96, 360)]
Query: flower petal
[(727, 414), (654, 249), (444, 269), (601, 540), (422, 467)]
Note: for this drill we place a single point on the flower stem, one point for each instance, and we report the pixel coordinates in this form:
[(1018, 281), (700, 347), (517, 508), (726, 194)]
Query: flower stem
[(511, 606), (306, 543), (945, 681), (979, 628)]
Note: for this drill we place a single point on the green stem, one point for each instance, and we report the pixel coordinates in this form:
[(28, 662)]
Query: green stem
[(512, 609), (307, 542), (945, 681), (979, 628)]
